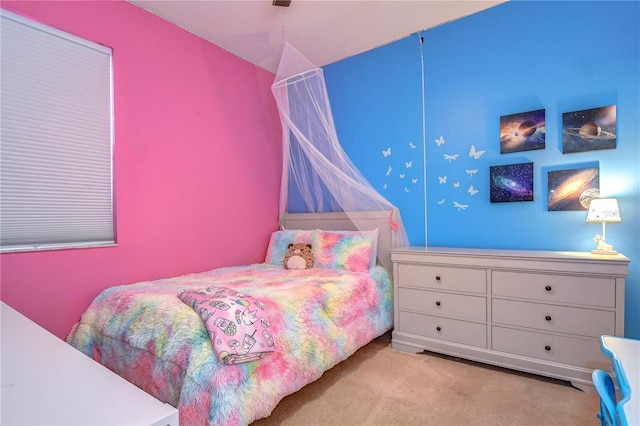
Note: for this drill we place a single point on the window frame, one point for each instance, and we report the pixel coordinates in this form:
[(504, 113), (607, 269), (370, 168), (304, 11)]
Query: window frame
[(93, 229)]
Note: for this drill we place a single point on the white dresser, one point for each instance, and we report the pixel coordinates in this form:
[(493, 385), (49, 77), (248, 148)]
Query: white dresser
[(45, 381), (541, 312)]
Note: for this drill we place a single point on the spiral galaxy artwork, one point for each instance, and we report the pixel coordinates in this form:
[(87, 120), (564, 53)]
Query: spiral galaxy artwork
[(511, 183), (572, 189)]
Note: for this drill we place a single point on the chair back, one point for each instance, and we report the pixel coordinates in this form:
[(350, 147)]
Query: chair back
[(607, 391)]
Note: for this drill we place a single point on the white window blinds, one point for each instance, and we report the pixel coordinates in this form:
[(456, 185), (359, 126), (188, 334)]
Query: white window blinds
[(56, 129)]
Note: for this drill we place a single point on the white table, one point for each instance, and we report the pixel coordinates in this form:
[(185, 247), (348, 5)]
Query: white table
[(625, 357), (45, 381)]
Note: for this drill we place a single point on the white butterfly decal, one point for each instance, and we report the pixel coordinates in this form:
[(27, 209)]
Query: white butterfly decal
[(460, 206), (414, 180), (441, 201), (387, 152), (384, 186), (401, 175), (472, 190), (439, 141), (450, 157), (411, 145), (405, 189), (471, 172), (475, 154), (409, 164), (456, 185), (442, 179), (388, 171)]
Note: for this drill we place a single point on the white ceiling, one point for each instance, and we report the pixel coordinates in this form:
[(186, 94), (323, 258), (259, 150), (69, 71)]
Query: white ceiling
[(324, 31)]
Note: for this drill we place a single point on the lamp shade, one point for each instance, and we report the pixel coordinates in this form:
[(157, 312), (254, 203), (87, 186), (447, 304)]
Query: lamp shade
[(603, 210)]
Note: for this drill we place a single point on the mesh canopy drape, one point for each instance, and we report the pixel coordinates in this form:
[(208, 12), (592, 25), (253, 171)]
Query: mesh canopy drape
[(315, 167)]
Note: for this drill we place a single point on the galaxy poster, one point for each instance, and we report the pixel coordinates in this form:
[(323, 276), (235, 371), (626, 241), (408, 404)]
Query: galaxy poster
[(522, 132), (511, 183), (573, 189), (589, 130)]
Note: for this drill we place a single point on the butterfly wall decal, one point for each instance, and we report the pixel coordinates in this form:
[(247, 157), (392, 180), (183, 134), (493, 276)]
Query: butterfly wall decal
[(401, 175), (414, 180), (456, 185), (442, 179), (440, 141), (475, 154), (387, 152), (408, 164), (411, 145), (472, 190)]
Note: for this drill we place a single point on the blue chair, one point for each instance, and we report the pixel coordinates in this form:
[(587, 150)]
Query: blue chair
[(607, 391)]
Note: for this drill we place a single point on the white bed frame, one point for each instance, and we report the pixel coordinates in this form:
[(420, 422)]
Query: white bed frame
[(339, 221)]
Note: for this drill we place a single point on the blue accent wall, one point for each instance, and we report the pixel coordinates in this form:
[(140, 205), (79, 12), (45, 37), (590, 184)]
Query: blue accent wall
[(517, 57)]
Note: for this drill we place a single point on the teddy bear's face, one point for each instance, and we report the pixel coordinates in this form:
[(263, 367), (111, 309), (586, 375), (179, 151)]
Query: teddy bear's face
[(298, 256)]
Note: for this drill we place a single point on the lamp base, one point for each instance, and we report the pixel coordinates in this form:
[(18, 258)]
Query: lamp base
[(596, 251)]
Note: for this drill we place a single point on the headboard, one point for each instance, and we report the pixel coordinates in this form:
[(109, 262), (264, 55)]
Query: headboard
[(338, 221)]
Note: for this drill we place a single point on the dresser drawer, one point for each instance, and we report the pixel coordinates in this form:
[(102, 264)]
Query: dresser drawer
[(555, 288), (458, 306), (451, 330), (561, 319), (566, 350), (441, 278)]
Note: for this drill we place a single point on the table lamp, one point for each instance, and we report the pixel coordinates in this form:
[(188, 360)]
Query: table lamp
[(603, 210)]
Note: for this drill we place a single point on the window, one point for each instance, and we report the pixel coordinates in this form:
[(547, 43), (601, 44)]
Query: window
[(56, 139)]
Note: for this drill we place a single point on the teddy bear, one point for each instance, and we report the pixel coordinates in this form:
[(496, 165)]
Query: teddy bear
[(298, 256)]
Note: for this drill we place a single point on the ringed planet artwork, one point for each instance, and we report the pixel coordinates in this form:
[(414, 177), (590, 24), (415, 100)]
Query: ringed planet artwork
[(525, 131), (573, 189), (589, 130), (511, 183)]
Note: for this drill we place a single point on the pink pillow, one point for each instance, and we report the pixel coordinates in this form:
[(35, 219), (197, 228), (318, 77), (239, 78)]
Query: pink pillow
[(280, 241), (349, 250)]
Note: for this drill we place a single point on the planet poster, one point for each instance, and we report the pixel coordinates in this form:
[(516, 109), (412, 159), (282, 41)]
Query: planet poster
[(589, 130), (524, 131), (573, 189), (511, 183)]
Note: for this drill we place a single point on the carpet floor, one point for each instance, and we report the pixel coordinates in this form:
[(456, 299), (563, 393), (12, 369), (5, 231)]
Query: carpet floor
[(382, 386)]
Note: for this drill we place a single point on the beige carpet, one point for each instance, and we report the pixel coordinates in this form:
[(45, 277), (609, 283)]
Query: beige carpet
[(382, 386)]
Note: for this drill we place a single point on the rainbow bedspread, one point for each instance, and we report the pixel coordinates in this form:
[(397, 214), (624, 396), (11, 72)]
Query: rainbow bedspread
[(319, 317)]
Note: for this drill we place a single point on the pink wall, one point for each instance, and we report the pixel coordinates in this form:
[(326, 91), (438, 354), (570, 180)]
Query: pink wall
[(197, 163)]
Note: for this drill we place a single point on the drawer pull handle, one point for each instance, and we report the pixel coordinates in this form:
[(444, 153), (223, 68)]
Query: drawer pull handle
[(547, 348), (438, 303), (548, 288), (439, 328), (437, 277), (548, 317)]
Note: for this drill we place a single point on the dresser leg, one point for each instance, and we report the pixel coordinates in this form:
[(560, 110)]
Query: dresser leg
[(584, 387)]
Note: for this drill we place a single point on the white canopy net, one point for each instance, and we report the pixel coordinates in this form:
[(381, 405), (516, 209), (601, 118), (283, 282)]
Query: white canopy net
[(316, 170)]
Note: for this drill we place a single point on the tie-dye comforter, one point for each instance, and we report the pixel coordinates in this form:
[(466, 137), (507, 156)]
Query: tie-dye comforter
[(319, 317)]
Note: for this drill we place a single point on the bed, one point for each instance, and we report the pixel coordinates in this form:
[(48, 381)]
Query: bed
[(154, 335)]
